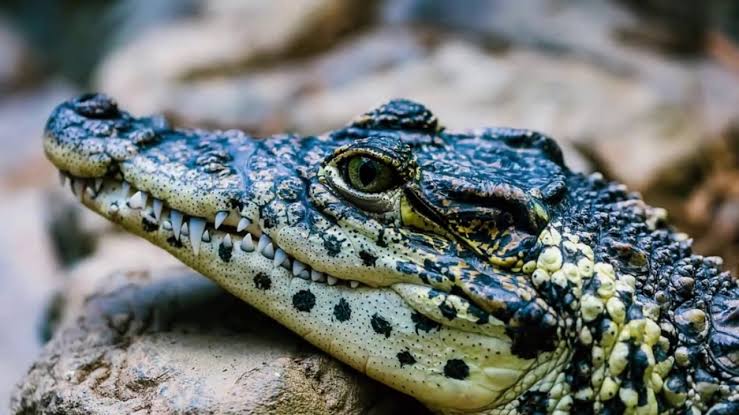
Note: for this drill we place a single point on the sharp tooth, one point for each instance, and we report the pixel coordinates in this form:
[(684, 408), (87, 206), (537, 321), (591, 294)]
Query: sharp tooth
[(317, 276), (185, 229), (220, 217), (354, 284), (176, 218), (227, 241), (247, 245), (269, 251), (167, 225), (263, 242), (331, 280), (62, 178), (280, 257), (157, 205), (90, 192), (138, 200), (98, 184), (206, 236), (197, 227), (78, 187), (298, 267), (243, 223), (304, 275), (125, 188)]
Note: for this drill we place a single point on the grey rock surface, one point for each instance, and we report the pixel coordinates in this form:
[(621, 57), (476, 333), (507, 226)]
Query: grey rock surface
[(15, 59), (23, 115), (226, 37), (632, 112), (173, 342), (25, 250)]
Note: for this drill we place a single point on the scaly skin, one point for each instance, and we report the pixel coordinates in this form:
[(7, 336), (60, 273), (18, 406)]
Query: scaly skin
[(473, 271)]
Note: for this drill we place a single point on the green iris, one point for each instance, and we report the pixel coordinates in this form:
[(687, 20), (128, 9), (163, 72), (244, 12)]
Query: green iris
[(369, 175)]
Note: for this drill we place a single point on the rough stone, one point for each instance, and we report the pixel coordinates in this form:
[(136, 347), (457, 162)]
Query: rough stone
[(23, 115), (15, 59), (548, 77), (227, 37), (701, 192), (27, 267), (173, 342), (261, 101)]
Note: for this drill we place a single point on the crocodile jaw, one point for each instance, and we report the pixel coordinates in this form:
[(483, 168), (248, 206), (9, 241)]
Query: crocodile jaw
[(458, 362), (340, 319)]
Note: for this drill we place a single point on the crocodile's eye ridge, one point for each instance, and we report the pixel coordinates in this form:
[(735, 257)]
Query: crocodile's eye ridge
[(369, 175)]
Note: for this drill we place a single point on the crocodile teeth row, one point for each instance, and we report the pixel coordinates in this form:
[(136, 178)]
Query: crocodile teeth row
[(196, 228)]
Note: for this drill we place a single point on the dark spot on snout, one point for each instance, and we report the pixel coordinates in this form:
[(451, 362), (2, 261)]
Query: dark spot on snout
[(448, 310), (424, 323), (406, 358), (262, 281), (304, 300), (225, 252), (342, 310), (332, 245), (456, 369), (380, 325), (367, 258)]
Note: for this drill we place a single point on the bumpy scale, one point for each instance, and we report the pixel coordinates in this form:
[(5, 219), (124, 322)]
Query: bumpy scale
[(473, 271)]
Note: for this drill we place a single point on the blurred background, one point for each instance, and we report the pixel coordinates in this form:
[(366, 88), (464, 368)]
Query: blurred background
[(646, 92)]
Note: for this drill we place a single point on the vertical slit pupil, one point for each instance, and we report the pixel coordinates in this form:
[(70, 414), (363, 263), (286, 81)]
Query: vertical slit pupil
[(367, 172)]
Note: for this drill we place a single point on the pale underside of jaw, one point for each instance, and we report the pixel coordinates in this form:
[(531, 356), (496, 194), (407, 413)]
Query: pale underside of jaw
[(246, 236), (249, 253)]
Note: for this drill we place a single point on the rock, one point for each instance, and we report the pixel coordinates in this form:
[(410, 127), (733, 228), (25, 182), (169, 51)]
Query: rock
[(27, 269), (23, 115), (649, 111), (701, 192), (117, 256), (229, 37), (261, 101), (173, 342), (16, 67), (632, 112)]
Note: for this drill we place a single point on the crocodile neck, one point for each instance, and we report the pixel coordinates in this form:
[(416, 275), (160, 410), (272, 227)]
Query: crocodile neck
[(647, 325)]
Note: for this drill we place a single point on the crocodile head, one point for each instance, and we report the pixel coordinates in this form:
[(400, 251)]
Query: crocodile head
[(473, 271)]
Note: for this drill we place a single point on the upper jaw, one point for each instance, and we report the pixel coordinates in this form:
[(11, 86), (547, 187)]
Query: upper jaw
[(135, 209), (89, 137), (121, 166), (181, 182)]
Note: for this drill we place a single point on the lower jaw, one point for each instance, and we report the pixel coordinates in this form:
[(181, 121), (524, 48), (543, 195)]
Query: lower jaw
[(224, 260), (223, 256)]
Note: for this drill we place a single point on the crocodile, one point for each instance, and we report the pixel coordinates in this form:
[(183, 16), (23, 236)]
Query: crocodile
[(471, 270)]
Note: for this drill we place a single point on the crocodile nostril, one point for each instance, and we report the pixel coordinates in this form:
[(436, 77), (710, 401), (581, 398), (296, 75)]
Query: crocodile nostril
[(98, 106)]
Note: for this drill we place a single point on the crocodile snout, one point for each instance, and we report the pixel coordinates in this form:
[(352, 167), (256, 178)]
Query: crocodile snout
[(96, 106), (85, 136)]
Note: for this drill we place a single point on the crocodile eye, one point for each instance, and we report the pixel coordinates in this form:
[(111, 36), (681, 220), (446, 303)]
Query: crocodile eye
[(369, 175)]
